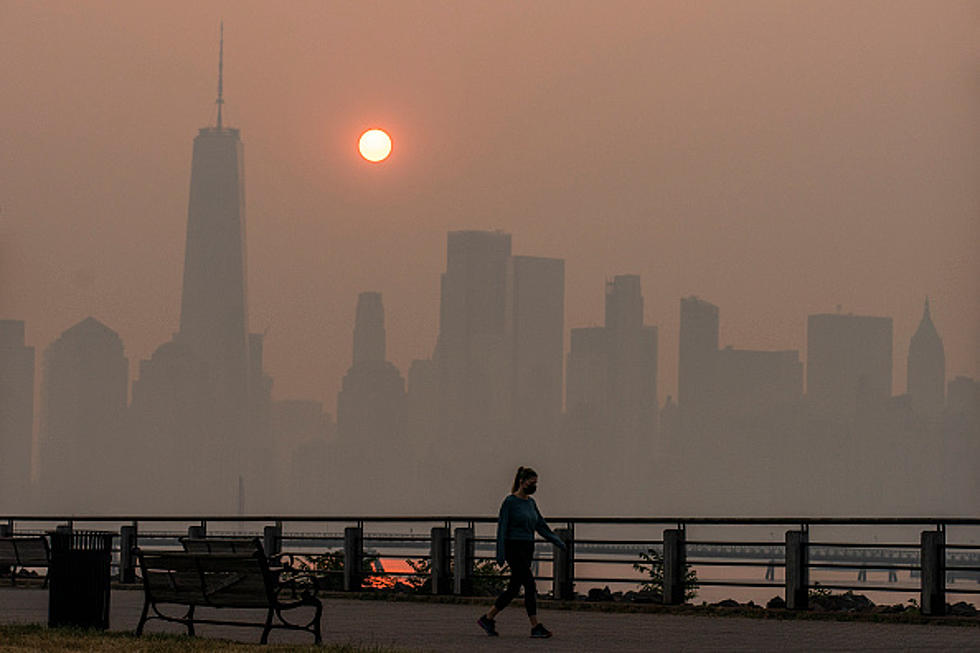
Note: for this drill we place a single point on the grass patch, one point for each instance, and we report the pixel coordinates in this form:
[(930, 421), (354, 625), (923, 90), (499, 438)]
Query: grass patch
[(35, 637)]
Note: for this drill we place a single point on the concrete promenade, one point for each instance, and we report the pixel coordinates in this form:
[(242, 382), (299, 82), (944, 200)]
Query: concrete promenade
[(452, 627)]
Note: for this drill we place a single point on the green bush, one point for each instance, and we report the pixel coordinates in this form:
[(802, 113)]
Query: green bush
[(652, 564)]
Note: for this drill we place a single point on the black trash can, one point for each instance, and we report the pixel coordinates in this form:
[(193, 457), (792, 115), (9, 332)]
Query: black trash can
[(78, 579)]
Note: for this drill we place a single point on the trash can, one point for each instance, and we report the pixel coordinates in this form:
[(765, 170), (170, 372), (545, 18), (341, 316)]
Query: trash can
[(78, 578)]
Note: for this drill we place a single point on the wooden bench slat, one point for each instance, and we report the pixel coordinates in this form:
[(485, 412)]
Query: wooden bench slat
[(8, 554)]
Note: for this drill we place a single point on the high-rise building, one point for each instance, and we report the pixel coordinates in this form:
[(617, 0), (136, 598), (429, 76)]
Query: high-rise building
[(83, 404), (632, 348), (848, 363), (16, 417), (588, 375), (369, 329), (172, 419), (471, 352), (926, 379), (698, 357), (612, 382), (370, 408), (536, 322), (214, 312)]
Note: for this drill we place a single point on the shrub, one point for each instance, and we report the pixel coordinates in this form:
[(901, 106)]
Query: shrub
[(652, 563)]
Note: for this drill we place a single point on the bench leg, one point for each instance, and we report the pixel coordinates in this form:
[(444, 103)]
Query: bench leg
[(317, 638), (267, 629), (146, 609), (190, 621)]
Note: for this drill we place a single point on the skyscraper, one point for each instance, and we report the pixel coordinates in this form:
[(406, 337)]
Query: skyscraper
[(16, 416), (848, 363), (698, 357), (632, 393), (471, 349), (213, 310), (371, 413), (83, 404), (926, 379), (588, 372), (536, 322)]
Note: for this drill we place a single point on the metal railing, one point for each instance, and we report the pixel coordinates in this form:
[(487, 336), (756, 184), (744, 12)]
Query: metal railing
[(454, 548)]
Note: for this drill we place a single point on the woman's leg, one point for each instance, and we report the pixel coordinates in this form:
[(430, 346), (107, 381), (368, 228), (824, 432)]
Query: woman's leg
[(513, 584), (522, 564)]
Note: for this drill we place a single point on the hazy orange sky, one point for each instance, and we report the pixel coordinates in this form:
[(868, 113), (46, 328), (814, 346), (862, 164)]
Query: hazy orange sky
[(776, 158)]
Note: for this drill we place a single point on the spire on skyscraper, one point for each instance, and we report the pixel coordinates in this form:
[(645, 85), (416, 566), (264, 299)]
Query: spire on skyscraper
[(927, 369), (221, 65)]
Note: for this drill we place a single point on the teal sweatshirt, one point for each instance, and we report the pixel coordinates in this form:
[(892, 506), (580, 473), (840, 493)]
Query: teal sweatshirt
[(519, 519)]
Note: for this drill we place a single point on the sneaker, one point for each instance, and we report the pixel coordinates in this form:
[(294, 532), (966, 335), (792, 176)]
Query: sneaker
[(540, 632), (488, 625)]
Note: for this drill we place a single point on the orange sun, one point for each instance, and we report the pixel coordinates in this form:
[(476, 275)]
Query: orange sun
[(375, 145)]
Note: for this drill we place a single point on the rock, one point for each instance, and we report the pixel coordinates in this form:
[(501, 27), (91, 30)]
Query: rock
[(596, 594), (961, 609), (776, 603), (727, 603), (846, 602)]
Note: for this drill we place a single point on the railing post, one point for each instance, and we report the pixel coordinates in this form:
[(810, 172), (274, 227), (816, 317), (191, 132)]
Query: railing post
[(127, 542), (932, 558), (797, 570), (464, 550), (353, 558), (6, 530), (563, 566), (675, 566), (272, 539), (439, 560)]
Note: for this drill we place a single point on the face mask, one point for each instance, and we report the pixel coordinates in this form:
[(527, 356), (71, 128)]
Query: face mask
[(531, 489)]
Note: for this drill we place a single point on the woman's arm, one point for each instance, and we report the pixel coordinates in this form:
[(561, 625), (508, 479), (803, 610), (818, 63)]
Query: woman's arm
[(541, 526), (502, 531)]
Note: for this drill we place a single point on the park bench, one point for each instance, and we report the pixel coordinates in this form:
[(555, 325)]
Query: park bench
[(220, 580), (24, 552)]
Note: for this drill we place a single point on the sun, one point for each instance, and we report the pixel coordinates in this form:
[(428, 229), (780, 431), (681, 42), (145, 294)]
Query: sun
[(375, 145)]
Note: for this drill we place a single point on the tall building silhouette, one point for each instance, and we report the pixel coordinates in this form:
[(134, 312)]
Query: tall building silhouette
[(83, 406), (16, 416), (172, 420), (536, 323), (698, 357), (231, 432), (213, 311), (632, 380), (471, 356), (848, 363), (926, 379), (612, 384), (371, 412), (588, 374)]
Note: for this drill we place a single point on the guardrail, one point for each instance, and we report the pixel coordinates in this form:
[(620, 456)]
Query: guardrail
[(454, 552)]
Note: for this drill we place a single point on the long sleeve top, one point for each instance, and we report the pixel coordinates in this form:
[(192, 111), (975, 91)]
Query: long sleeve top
[(519, 519)]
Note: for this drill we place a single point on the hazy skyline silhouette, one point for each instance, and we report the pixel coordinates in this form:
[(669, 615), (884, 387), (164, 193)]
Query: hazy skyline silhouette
[(778, 160)]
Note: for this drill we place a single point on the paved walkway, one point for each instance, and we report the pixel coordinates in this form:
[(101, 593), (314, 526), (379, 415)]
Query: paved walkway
[(450, 627)]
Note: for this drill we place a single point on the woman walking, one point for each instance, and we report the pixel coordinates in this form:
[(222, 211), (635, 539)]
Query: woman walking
[(518, 521)]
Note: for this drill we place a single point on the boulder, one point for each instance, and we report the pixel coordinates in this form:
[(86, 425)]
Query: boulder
[(776, 603), (961, 609)]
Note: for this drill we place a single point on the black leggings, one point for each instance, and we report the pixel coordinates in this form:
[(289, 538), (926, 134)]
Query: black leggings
[(518, 554)]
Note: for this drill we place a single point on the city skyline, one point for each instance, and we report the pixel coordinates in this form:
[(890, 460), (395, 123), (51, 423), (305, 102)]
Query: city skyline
[(872, 221)]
